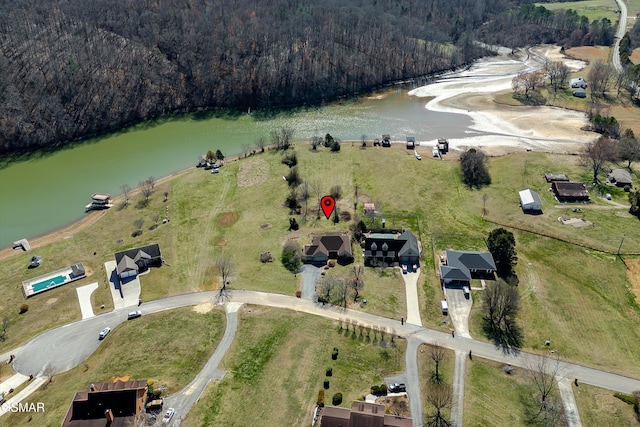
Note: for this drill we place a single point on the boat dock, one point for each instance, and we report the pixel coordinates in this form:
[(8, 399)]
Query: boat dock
[(99, 201)]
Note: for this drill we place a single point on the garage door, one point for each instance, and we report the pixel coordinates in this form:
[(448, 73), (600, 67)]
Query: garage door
[(129, 273)]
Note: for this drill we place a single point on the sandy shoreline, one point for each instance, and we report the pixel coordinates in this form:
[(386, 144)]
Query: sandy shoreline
[(500, 129), (497, 129)]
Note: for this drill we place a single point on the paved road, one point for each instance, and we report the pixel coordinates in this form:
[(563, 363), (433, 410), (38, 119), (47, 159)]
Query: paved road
[(80, 338), (188, 396), (413, 380), (457, 407), (622, 28)]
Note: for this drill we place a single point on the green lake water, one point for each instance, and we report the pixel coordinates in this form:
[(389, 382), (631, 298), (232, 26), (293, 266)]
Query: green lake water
[(42, 194)]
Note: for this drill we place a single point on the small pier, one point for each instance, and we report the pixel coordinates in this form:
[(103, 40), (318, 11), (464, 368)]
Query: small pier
[(99, 201)]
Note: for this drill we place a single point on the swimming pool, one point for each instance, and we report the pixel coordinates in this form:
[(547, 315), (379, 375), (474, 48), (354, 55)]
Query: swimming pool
[(54, 281)]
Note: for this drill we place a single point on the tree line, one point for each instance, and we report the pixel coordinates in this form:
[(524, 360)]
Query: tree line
[(71, 69)]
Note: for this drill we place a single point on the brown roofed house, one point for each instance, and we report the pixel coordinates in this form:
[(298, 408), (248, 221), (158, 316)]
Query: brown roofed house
[(570, 191), (361, 414), (117, 404), (328, 246)]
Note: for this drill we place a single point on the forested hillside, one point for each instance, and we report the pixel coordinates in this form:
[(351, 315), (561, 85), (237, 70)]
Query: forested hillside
[(73, 68)]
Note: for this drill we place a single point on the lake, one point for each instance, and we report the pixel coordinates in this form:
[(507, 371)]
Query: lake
[(42, 194)]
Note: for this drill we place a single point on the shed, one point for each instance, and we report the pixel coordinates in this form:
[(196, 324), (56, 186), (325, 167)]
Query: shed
[(411, 142), (386, 140), (578, 82), (570, 191), (550, 177), (619, 177), (530, 201)]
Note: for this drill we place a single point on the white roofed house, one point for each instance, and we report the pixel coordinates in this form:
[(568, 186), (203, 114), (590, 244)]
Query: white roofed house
[(530, 201)]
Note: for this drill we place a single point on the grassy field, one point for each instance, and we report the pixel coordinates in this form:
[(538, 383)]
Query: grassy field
[(483, 406), (151, 347), (276, 367), (426, 367), (592, 9), (599, 407)]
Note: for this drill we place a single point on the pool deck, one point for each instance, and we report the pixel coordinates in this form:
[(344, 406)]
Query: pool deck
[(27, 285)]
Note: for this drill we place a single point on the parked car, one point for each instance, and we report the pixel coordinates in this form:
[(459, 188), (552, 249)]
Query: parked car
[(103, 333), (404, 269), (134, 314), (168, 415), (397, 387), (215, 171)]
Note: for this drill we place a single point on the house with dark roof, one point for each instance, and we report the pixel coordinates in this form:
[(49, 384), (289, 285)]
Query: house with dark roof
[(328, 246), (462, 266), (362, 414), (117, 404), (570, 191), (388, 249), (619, 177), (133, 261)]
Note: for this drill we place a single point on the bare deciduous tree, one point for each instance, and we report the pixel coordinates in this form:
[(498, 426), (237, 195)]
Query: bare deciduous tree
[(440, 397), (357, 280), (261, 143), (528, 82), (558, 73), (146, 189), (125, 192), (597, 153), (600, 77), (547, 408), (138, 223), (437, 353)]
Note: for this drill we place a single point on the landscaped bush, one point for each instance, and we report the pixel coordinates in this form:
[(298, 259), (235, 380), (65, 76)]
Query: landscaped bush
[(326, 384), (337, 399), (292, 256), (380, 390), (334, 353), (136, 233), (320, 401), (290, 160), (298, 294), (329, 371), (24, 308)]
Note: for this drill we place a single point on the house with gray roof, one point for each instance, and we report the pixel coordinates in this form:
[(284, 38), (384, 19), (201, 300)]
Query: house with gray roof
[(462, 266), (328, 246), (133, 261), (388, 249)]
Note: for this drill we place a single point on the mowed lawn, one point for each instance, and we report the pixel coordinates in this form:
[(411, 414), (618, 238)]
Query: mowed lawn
[(153, 347), (573, 295), (277, 365)]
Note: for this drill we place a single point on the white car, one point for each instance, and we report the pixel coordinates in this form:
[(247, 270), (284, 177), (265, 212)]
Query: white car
[(134, 314), (103, 333), (168, 415)]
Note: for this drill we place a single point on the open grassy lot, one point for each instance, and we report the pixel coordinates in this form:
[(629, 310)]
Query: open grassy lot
[(484, 405), (211, 216), (276, 367), (592, 9), (427, 369), (599, 407), (151, 347)]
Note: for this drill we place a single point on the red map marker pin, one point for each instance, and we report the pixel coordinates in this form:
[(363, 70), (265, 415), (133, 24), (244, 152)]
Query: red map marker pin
[(328, 204)]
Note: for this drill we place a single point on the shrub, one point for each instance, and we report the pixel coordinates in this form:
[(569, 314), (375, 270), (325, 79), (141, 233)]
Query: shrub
[(136, 233), (293, 177), (345, 215), (627, 188), (24, 308), (326, 384), (292, 256), (626, 398), (335, 146), (290, 160), (329, 371), (298, 294), (334, 353), (320, 401), (337, 399), (336, 192), (380, 390), (266, 257)]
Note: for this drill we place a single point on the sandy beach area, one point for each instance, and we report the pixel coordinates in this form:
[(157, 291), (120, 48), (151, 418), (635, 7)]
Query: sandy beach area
[(499, 128)]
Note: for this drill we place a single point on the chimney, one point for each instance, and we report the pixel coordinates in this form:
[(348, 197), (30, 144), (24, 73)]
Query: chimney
[(108, 414)]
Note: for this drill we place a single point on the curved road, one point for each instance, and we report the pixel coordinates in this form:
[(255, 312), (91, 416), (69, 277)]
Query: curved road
[(80, 339), (622, 29)]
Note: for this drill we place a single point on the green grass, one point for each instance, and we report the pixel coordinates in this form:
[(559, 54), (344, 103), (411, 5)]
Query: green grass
[(599, 407), (426, 368), (151, 347), (484, 405), (299, 350), (592, 9)]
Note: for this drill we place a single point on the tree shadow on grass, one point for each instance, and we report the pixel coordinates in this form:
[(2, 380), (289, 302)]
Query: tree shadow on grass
[(533, 98), (509, 339)]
